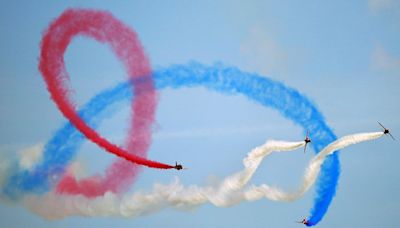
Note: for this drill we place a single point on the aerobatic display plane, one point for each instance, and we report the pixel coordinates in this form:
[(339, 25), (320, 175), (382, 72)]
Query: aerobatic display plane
[(178, 166), (304, 221), (307, 140), (386, 131)]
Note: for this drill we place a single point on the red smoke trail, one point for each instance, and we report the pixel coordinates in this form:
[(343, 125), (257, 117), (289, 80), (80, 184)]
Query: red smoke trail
[(103, 27)]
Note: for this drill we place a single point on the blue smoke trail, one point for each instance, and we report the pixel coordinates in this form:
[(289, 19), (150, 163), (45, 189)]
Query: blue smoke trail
[(62, 148)]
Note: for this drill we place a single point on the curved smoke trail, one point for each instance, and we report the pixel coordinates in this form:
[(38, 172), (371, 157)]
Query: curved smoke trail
[(289, 102), (103, 27), (229, 192), (61, 149), (312, 171), (226, 80)]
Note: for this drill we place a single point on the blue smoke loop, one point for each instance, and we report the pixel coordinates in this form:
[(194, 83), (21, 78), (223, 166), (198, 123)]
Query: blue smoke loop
[(62, 148)]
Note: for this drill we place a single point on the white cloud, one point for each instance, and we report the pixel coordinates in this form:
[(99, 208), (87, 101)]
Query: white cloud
[(382, 60), (263, 52)]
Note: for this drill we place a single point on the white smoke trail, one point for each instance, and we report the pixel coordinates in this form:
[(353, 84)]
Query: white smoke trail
[(229, 192), (30, 156), (311, 173)]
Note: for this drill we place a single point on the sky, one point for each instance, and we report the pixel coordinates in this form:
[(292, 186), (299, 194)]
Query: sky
[(344, 56)]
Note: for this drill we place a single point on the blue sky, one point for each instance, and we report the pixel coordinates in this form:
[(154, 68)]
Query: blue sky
[(343, 55)]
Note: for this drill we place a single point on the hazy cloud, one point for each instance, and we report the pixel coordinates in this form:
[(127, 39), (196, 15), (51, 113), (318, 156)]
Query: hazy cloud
[(263, 52), (382, 60), (378, 5)]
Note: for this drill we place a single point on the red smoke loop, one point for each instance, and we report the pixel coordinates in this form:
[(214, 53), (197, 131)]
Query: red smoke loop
[(104, 28)]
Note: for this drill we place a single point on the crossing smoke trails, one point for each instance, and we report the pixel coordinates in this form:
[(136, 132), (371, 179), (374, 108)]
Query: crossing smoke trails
[(313, 169), (124, 43), (61, 149), (229, 192)]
